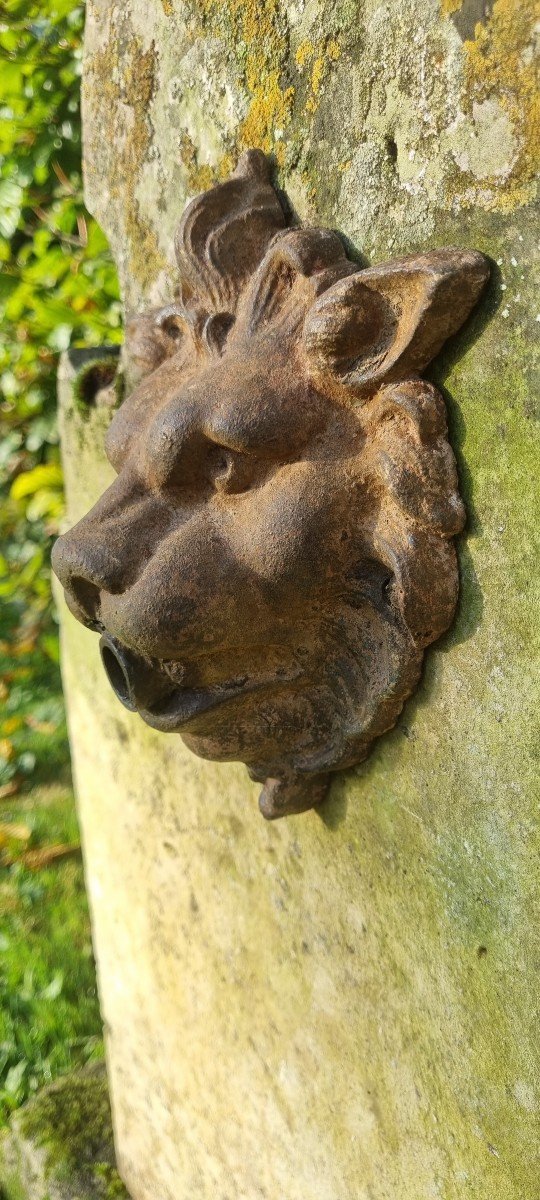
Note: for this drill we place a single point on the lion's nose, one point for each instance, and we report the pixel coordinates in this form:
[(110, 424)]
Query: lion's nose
[(135, 682), (84, 571)]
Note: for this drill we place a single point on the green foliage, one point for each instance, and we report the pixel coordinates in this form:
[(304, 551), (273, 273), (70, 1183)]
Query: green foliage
[(49, 1012), (57, 287)]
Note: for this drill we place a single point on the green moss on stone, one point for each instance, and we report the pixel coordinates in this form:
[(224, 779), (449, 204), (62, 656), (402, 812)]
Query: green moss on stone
[(11, 1187), (71, 1122), (91, 379)]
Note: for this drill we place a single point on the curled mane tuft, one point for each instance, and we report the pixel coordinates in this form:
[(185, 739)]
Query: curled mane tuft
[(224, 234)]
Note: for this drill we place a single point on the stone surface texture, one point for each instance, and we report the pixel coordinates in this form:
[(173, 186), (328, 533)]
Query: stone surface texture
[(342, 1006)]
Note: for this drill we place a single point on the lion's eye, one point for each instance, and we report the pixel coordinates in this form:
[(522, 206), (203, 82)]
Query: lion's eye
[(230, 471)]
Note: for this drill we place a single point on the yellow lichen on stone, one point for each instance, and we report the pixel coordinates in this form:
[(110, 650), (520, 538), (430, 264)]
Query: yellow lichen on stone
[(501, 65), (168, 8), (258, 27), (200, 176), (304, 53), (269, 114), (257, 31), (317, 75), (451, 6), (225, 167), (320, 56)]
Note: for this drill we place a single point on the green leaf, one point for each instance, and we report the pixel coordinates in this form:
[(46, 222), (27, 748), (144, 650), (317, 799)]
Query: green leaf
[(54, 988), (26, 762), (51, 647), (15, 1076), (53, 291), (29, 482), (8, 284), (60, 337)]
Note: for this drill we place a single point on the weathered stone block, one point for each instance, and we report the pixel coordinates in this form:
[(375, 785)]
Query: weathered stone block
[(343, 1005)]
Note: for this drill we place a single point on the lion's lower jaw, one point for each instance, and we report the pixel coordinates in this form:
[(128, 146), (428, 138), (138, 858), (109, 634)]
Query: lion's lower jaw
[(295, 738)]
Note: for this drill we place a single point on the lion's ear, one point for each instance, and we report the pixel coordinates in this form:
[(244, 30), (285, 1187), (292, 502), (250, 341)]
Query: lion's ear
[(383, 323)]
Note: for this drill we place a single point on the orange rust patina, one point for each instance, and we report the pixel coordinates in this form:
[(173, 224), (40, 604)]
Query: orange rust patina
[(276, 552)]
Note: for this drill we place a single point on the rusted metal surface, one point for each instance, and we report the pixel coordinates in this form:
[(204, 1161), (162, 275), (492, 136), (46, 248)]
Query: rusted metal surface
[(276, 552)]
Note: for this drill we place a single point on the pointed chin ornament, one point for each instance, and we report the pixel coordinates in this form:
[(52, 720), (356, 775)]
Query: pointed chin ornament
[(276, 552)]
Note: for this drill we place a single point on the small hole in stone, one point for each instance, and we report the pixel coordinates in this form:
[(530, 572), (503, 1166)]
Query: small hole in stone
[(482, 951), (92, 379), (391, 149)]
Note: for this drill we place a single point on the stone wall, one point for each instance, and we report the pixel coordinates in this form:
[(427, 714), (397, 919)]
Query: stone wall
[(342, 1006)]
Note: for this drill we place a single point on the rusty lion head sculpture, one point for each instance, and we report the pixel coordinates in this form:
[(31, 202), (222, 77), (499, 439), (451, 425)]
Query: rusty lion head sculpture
[(276, 552)]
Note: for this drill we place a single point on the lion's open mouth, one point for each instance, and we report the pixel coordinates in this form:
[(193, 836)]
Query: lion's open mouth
[(146, 689)]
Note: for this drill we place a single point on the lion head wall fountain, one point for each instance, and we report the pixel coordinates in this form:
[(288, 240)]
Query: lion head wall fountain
[(276, 552)]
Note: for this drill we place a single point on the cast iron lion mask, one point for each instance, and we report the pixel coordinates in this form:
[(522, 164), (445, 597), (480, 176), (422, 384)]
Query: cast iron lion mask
[(276, 552)]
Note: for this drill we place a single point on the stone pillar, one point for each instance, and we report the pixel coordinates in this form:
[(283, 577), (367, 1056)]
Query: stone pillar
[(343, 1005)]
